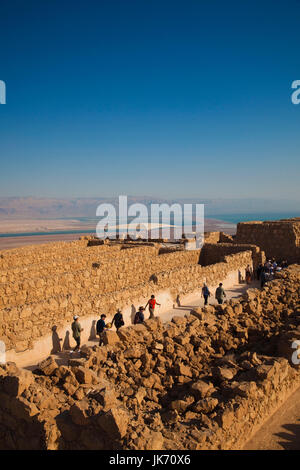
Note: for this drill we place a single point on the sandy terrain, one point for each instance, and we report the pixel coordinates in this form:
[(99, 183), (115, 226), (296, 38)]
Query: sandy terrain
[(282, 430), (41, 225), (13, 242)]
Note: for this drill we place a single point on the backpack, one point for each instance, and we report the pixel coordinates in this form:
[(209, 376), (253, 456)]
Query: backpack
[(136, 318), (206, 291), (119, 320), (152, 303), (139, 318)]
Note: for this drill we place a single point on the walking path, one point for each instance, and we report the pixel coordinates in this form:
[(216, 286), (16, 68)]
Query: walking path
[(235, 291), (282, 430)]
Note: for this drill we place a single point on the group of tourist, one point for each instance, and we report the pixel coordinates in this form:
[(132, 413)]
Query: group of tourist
[(266, 272), (118, 321)]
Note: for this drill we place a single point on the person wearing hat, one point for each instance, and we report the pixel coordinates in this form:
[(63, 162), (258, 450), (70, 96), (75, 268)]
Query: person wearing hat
[(76, 329)]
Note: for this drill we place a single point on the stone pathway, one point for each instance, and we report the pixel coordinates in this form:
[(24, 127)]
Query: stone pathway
[(234, 291)]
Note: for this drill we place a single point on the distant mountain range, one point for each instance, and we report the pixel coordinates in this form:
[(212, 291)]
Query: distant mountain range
[(34, 207)]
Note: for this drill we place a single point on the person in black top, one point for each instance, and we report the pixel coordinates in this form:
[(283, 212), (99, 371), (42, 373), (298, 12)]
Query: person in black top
[(259, 271), (139, 316), (100, 328), (118, 320)]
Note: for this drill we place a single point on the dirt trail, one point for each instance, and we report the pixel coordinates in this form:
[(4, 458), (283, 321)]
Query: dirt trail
[(234, 291), (282, 430)]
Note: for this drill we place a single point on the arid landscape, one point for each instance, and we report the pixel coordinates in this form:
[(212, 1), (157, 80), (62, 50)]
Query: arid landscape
[(18, 226), (194, 377), (149, 231)]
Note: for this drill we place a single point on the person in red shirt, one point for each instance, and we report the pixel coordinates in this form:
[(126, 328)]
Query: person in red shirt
[(152, 302)]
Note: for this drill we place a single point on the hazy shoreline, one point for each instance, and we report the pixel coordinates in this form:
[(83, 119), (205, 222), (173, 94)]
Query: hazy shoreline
[(10, 226), (19, 237)]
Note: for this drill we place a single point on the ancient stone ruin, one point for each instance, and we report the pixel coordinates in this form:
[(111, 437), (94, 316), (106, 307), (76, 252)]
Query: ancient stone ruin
[(207, 380), (42, 287), (279, 239)]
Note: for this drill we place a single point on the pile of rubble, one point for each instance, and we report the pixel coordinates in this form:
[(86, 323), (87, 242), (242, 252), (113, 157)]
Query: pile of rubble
[(203, 381)]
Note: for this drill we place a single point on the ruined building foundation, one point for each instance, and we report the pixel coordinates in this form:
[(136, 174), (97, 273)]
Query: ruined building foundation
[(204, 381)]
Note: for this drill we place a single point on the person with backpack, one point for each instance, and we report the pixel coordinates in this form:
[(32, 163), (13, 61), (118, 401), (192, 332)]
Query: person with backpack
[(152, 303), (205, 293), (100, 325), (76, 329), (220, 293), (139, 316), (118, 320)]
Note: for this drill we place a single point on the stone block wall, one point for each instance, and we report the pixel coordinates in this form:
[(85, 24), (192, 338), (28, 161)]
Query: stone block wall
[(212, 237), (217, 237), (56, 281), (98, 272), (214, 253), (201, 382), (278, 239)]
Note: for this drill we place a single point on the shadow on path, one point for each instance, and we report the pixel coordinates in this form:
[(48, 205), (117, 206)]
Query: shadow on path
[(291, 438)]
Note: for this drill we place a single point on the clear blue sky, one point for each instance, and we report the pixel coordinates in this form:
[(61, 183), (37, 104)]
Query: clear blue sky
[(147, 97)]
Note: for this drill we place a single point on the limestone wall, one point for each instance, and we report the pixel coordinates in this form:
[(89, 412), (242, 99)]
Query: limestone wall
[(95, 271), (279, 239), (213, 253), (217, 237), (59, 280), (212, 237), (202, 382)]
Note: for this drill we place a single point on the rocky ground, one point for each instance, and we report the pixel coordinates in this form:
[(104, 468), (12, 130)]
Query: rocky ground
[(198, 382), (194, 301)]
